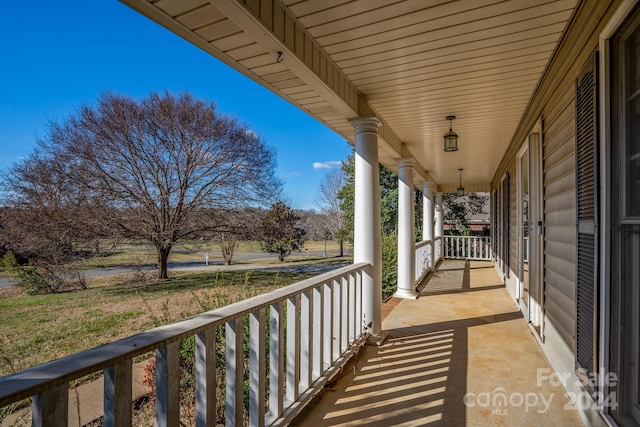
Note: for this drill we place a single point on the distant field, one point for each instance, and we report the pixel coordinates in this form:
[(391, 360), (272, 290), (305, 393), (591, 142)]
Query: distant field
[(133, 255), (36, 329)]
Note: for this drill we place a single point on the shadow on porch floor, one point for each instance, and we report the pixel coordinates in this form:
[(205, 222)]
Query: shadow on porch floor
[(459, 355)]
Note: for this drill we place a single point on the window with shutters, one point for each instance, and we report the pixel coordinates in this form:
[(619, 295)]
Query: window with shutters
[(586, 202)]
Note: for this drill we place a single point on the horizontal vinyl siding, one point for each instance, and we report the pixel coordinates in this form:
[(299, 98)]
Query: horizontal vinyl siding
[(560, 216)]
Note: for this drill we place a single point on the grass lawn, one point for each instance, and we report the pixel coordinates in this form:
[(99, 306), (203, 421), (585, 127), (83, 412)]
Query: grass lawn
[(37, 329), (135, 255)]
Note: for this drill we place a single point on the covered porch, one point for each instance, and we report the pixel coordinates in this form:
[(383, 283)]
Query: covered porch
[(386, 76), (460, 354)]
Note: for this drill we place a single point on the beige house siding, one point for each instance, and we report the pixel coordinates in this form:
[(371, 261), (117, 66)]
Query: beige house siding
[(554, 103)]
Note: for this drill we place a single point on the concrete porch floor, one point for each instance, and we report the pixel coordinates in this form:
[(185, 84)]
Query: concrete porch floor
[(459, 355)]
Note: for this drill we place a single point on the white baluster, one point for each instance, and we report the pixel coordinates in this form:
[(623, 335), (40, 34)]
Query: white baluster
[(276, 360), (117, 395), (257, 367), (234, 358), (168, 385)]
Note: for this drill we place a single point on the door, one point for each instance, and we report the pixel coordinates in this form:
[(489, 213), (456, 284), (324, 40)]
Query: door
[(524, 231), (504, 218), (530, 228)]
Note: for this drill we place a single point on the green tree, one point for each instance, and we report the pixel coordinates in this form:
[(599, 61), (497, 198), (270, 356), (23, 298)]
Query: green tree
[(458, 210), (388, 218), (388, 198), (388, 201), (278, 233), (346, 196)]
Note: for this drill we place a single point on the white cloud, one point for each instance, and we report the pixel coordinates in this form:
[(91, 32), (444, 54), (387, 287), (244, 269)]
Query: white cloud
[(327, 165)]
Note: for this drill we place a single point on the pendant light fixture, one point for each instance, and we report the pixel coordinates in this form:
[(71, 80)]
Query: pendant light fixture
[(460, 191), (451, 138)]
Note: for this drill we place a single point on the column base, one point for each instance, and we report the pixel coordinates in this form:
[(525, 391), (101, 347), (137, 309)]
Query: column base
[(377, 339), (406, 293)]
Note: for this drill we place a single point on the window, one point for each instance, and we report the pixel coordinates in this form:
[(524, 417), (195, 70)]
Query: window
[(625, 220), (629, 51)]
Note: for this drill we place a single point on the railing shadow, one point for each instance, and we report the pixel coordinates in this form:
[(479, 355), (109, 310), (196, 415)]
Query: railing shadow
[(454, 277), (418, 377)]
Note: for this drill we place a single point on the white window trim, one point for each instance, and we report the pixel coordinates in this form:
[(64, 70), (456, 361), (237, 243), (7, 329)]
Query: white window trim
[(604, 114)]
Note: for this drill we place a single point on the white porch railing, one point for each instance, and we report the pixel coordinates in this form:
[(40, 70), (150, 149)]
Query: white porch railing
[(423, 257), (467, 247), (438, 250), (324, 328)]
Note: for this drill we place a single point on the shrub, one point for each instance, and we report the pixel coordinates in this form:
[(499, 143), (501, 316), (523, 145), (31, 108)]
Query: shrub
[(27, 277), (389, 265), (44, 279)]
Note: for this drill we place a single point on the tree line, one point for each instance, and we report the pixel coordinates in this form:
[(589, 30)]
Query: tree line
[(169, 168)]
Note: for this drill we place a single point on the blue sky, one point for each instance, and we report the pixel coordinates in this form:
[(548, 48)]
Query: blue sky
[(57, 55)]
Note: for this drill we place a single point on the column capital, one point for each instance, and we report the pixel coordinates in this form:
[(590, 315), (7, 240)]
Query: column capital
[(404, 162), (429, 184), (365, 124)]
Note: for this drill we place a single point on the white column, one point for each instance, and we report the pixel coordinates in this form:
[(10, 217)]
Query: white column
[(367, 232), (406, 231), (439, 223), (427, 216)]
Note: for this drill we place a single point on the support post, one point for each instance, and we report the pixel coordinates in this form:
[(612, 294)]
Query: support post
[(439, 227), (406, 231), (427, 218), (367, 231)]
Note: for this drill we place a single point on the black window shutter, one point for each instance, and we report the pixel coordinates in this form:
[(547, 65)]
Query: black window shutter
[(587, 216)]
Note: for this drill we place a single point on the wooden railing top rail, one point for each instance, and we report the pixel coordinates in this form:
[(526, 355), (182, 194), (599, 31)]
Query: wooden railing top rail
[(31, 381), (423, 243)]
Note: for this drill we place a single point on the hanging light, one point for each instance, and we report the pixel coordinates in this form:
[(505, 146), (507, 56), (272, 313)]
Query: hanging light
[(460, 191), (451, 138)]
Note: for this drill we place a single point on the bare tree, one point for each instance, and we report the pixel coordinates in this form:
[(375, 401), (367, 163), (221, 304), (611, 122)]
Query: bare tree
[(228, 243), (163, 168), (329, 205), (313, 223), (47, 219)]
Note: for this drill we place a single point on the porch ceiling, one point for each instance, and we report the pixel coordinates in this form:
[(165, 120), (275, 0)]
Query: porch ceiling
[(411, 62)]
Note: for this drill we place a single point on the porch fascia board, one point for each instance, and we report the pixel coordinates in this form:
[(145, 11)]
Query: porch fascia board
[(344, 98)]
